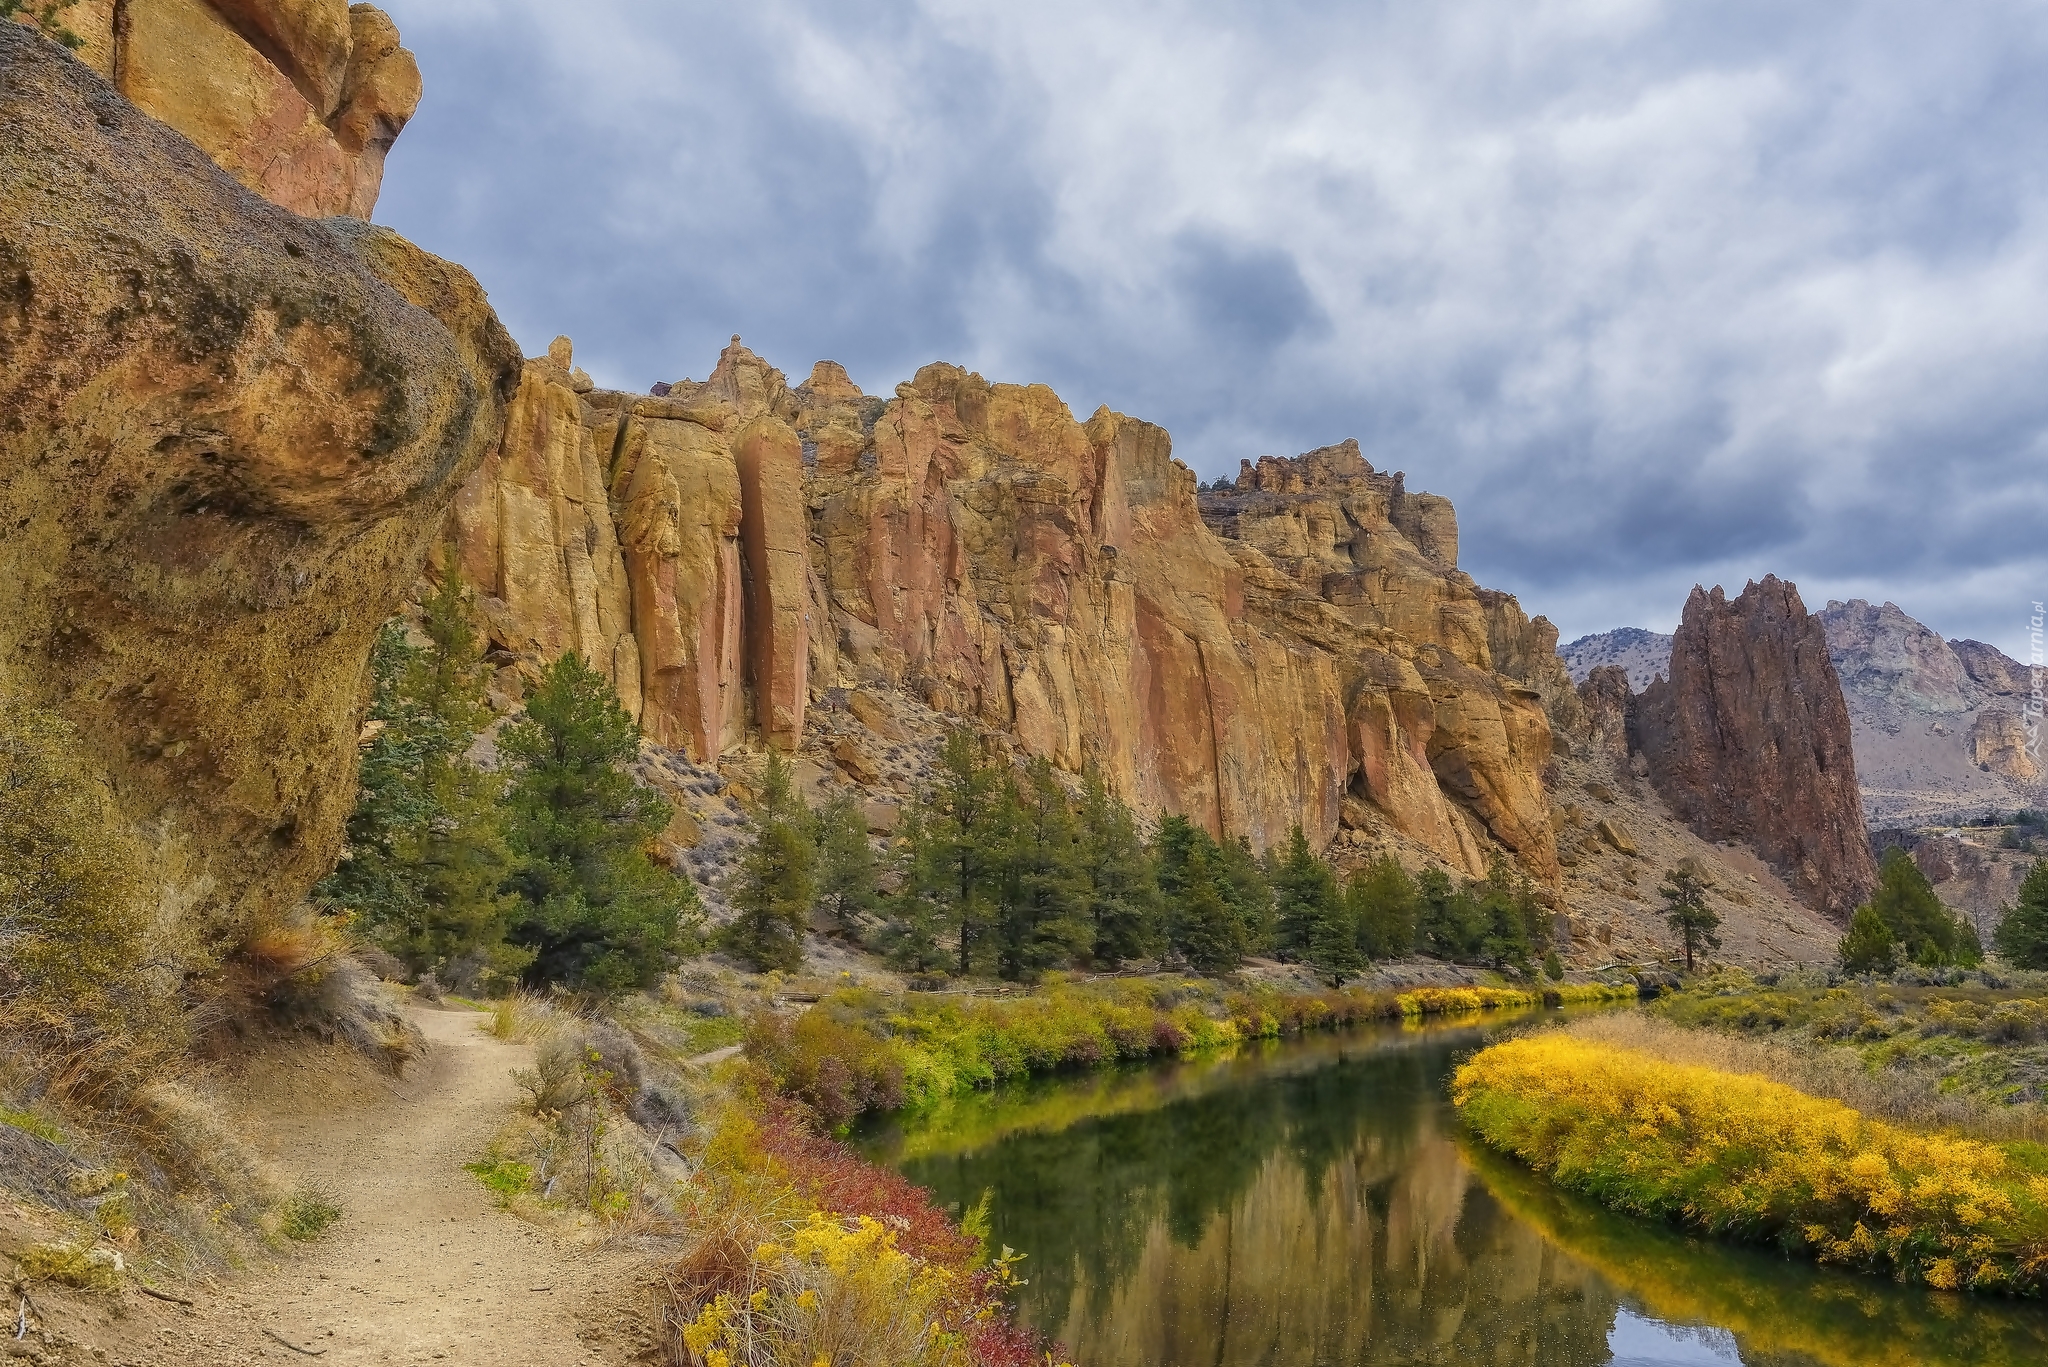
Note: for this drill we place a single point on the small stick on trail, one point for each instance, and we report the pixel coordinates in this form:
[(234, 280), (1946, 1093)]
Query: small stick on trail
[(309, 1352)]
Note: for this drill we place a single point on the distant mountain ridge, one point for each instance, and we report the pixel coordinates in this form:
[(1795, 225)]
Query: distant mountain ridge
[(1642, 654), (1939, 726)]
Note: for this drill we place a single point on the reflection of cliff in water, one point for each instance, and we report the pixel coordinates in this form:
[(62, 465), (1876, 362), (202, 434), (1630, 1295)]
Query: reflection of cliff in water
[(1313, 1217)]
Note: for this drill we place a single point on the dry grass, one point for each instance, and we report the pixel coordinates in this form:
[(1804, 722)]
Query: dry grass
[(1833, 1071)]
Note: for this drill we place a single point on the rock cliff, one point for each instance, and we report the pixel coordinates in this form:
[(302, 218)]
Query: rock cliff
[(1749, 740), (297, 99), (1298, 647), (227, 434)]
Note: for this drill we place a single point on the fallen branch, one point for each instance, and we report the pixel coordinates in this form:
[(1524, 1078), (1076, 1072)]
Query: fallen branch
[(163, 1296), (309, 1352)]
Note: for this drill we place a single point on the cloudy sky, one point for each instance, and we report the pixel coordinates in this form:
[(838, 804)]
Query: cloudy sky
[(1657, 292)]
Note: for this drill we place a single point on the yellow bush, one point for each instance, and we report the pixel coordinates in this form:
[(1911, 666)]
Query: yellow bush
[(1743, 1156)]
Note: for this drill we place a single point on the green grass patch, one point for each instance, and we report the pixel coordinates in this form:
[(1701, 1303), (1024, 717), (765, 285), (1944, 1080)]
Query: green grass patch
[(28, 1122), (504, 1177)]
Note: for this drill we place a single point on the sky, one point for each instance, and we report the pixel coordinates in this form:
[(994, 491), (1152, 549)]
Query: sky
[(1658, 293)]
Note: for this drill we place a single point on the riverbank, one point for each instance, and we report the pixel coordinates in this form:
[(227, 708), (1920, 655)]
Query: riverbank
[(1741, 1156), (860, 1051)]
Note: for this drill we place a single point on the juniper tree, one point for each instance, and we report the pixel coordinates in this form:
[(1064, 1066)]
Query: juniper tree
[(963, 803), (427, 854), (915, 914), (1382, 898), (1686, 911), (845, 863), (1041, 893), (1122, 897), (2022, 934), (772, 889), (599, 915), (1868, 947), (1927, 932)]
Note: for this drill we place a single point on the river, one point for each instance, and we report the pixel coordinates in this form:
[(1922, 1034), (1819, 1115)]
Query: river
[(1313, 1203)]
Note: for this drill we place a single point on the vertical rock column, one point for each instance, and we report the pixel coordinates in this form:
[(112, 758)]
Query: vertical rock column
[(774, 538)]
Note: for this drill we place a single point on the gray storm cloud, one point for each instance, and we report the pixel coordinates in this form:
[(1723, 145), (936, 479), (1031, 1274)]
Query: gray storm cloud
[(1657, 292)]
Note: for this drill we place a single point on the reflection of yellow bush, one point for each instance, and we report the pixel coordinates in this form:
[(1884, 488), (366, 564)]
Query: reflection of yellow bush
[(1742, 1156), (1772, 1309)]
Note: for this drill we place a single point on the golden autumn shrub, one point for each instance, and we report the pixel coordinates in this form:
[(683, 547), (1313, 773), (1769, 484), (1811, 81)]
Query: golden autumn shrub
[(1741, 1156)]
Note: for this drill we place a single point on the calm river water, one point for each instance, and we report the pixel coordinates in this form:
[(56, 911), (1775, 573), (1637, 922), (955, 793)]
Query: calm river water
[(1313, 1204)]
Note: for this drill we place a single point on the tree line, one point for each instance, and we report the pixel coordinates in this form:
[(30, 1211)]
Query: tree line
[(998, 869)]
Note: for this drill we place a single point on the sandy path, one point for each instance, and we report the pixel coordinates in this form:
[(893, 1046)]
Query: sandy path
[(422, 1267)]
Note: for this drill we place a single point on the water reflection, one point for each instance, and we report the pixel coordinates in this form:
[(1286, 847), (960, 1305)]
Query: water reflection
[(1312, 1205)]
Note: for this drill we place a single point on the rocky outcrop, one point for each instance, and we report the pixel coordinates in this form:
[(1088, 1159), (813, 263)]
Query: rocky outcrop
[(1291, 649), (1991, 671), (1749, 740), (2002, 743), (1642, 655), (1884, 656), (227, 434), (297, 99)]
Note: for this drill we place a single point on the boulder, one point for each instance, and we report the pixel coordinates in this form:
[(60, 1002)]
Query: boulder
[(227, 436)]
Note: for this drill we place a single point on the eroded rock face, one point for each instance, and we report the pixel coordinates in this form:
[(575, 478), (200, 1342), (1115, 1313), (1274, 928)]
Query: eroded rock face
[(1994, 672), (297, 99), (1251, 658), (1884, 655), (226, 435), (2000, 742), (1749, 740)]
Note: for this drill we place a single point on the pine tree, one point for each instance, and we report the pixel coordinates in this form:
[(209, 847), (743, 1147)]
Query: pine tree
[(1514, 927), (916, 913), (1244, 886), (772, 889), (1315, 923), (1383, 905), (1040, 920), (2022, 934), (1869, 946), (427, 854), (845, 863), (1123, 903), (1685, 909), (598, 913)]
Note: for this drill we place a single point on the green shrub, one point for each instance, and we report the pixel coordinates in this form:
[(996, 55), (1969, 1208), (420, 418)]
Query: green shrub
[(305, 1215)]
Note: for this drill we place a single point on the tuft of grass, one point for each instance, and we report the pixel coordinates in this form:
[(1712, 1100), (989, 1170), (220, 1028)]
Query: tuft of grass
[(306, 1215), (520, 1016), (28, 1122), (505, 1177), (80, 1265)]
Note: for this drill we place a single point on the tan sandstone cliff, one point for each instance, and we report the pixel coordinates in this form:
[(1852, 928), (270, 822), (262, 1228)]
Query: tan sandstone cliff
[(1300, 648), (226, 436), (297, 99)]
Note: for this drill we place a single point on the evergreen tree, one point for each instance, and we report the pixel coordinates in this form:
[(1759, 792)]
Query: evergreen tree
[(845, 862), (916, 913), (1515, 928), (427, 853), (2022, 934), (1927, 932), (1244, 886), (965, 803), (1685, 908), (1205, 928), (772, 889), (599, 915), (1869, 946), (1449, 923), (1041, 892), (1314, 922), (1122, 886), (1383, 906)]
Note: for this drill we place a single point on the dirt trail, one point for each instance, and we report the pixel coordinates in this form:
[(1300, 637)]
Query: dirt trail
[(422, 1267)]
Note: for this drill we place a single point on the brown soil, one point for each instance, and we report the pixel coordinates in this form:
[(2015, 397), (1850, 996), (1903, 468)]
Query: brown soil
[(422, 1267)]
